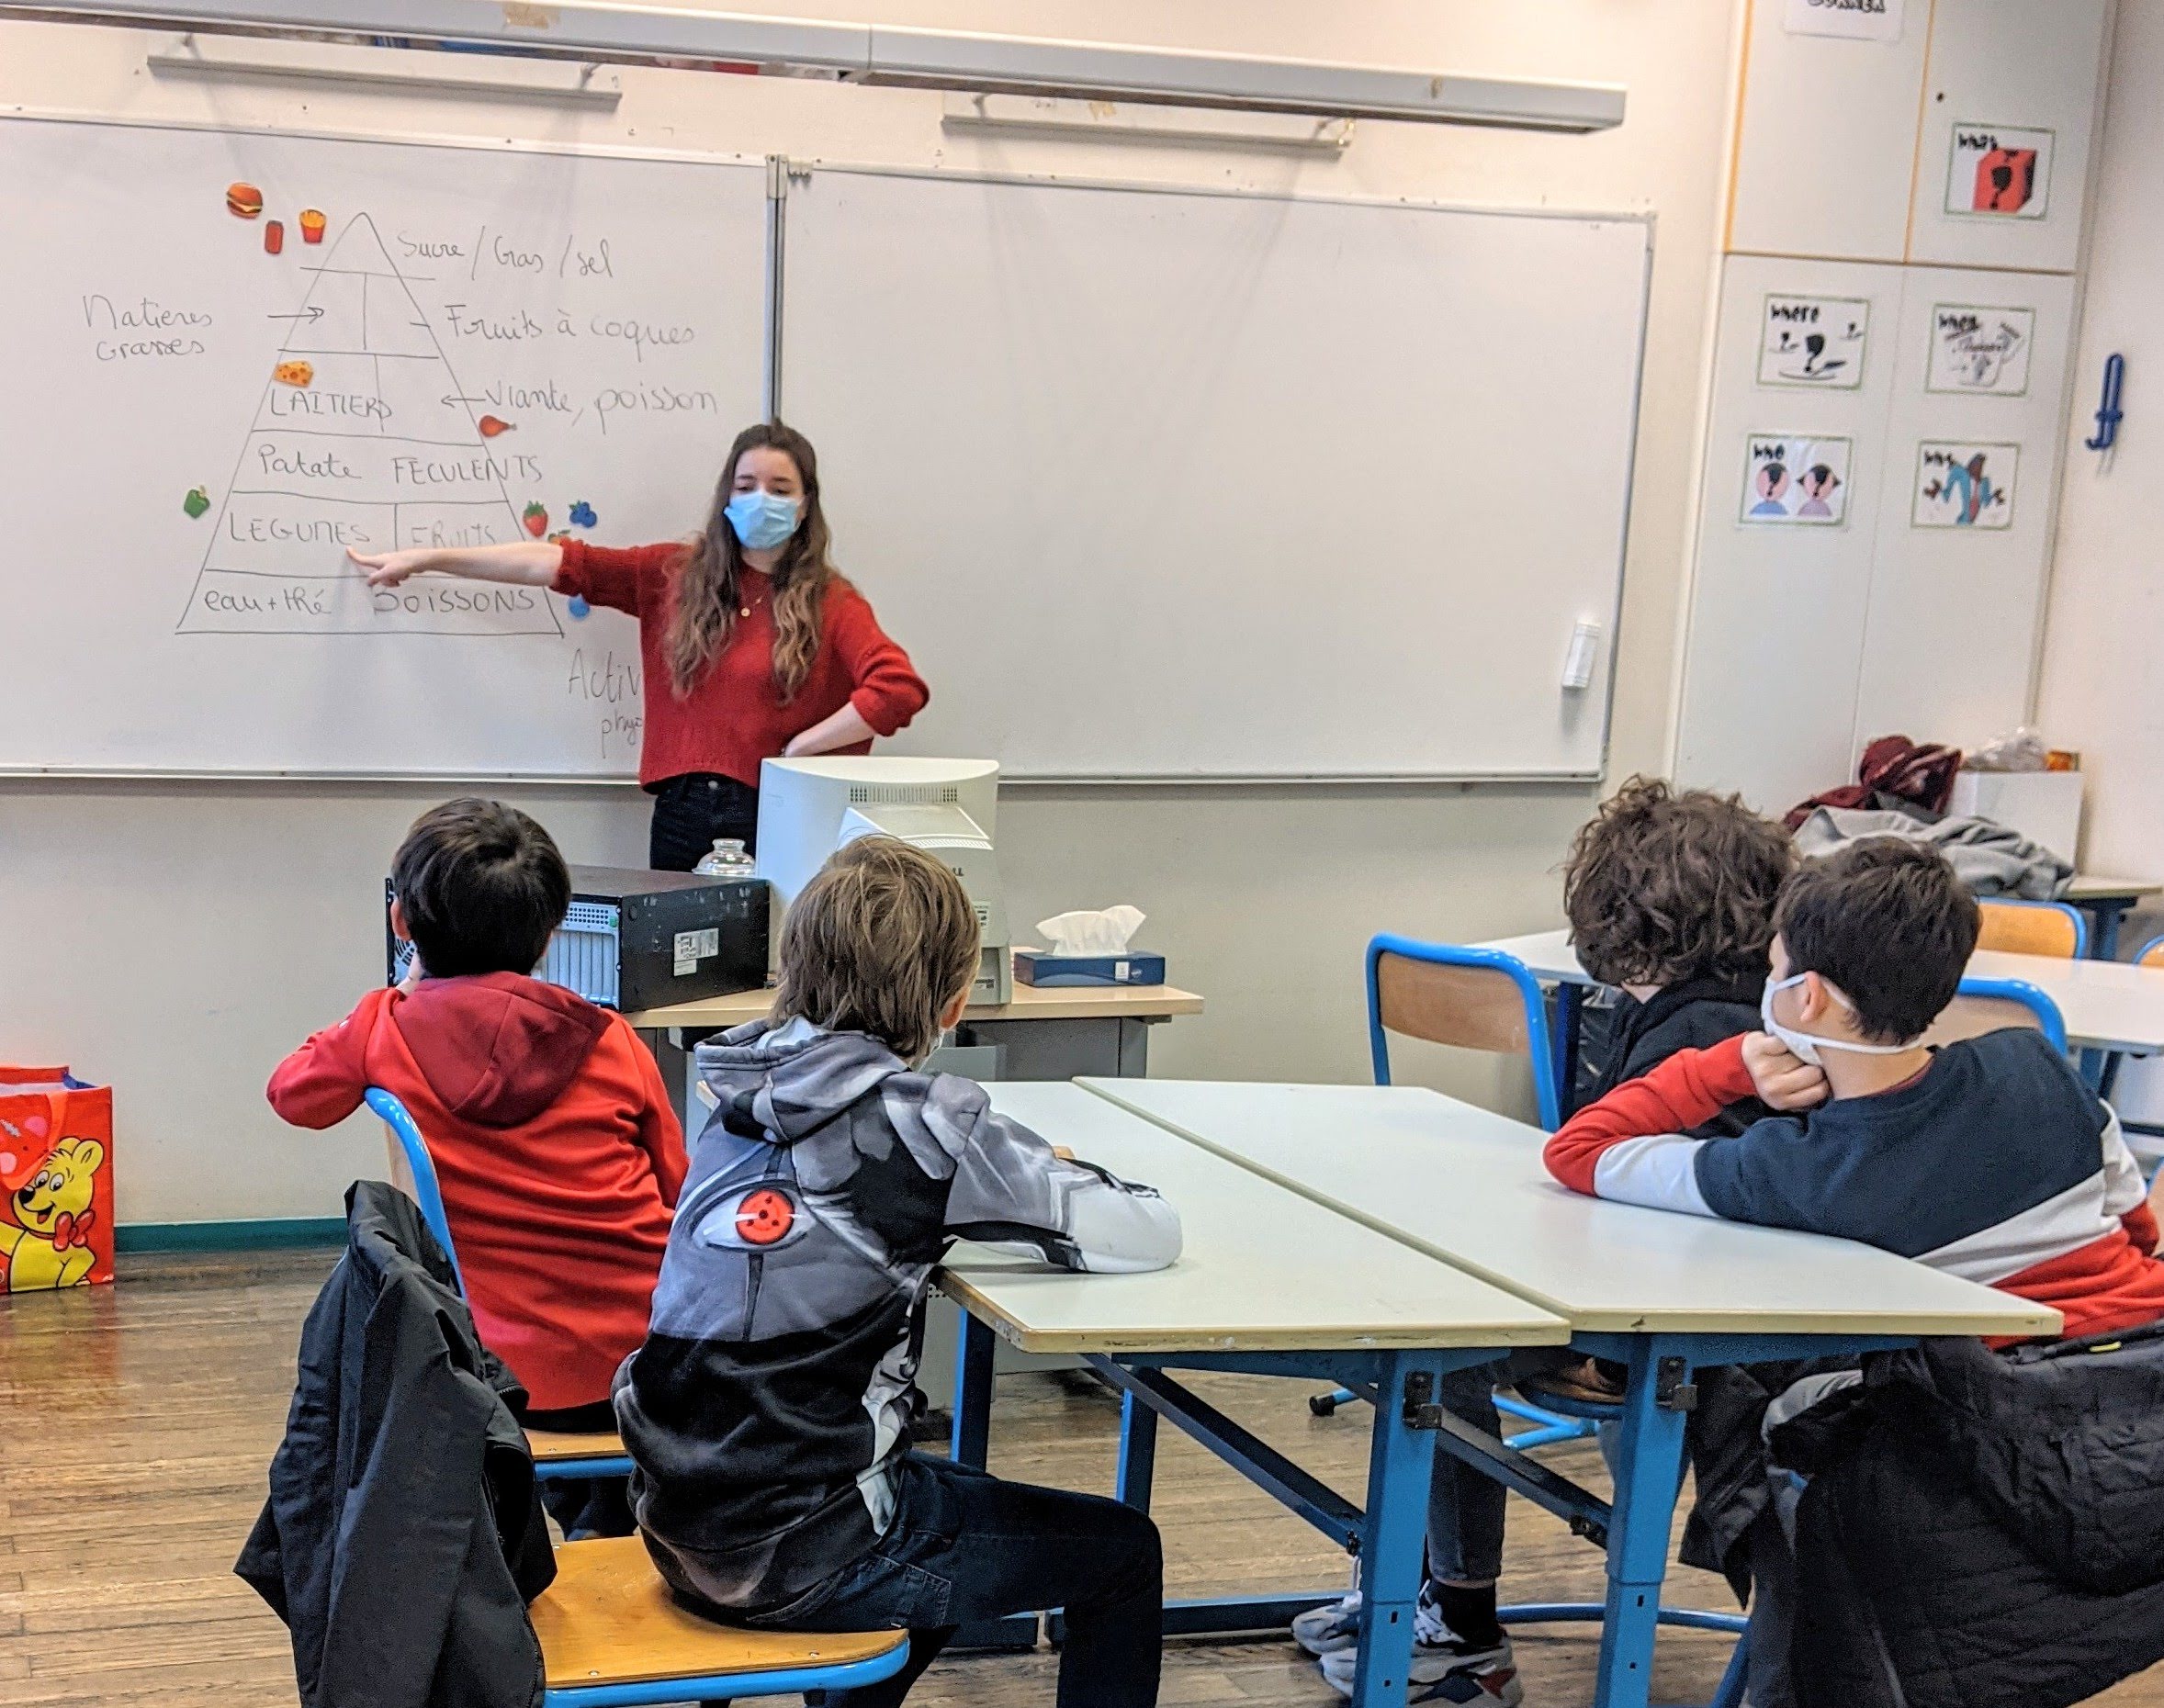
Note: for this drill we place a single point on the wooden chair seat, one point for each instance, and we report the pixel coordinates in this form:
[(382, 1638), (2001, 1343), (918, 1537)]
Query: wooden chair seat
[(549, 1448), (609, 1620)]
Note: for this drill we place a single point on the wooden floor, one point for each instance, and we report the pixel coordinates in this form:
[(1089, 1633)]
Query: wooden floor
[(136, 1423)]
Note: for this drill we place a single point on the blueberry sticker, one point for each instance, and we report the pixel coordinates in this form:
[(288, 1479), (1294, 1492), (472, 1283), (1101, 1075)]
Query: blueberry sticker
[(579, 606), (582, 515)]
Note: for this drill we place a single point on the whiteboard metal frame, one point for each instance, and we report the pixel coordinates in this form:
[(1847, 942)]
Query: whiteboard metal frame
[(798, 168), (508, 145)]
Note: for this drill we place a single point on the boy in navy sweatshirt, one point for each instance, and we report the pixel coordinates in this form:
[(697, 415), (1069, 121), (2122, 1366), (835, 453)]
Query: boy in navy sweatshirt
[(769, 1411)]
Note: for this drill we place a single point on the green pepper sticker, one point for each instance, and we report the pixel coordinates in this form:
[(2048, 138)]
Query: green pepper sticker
[(196, 503)]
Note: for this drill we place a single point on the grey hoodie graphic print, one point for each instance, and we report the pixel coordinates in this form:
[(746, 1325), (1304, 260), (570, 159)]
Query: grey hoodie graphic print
[(774, 1392)]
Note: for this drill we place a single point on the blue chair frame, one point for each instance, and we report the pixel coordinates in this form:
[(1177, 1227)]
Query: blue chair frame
[(810, 1682), (1549, 1427), (2081, 920), (1545, 1089), (2052, 1023), (429, 1194)]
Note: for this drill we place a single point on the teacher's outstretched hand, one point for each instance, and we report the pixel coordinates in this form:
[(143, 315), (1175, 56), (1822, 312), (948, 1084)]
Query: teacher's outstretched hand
[(752, 646)]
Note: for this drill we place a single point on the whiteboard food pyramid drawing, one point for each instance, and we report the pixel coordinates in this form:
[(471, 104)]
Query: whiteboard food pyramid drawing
[(365, 439)]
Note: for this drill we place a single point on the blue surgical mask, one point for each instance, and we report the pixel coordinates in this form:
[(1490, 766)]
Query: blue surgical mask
[(1805, 1046), (762, 520)]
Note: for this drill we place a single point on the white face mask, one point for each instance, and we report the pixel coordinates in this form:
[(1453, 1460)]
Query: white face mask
[(1805, 1046)]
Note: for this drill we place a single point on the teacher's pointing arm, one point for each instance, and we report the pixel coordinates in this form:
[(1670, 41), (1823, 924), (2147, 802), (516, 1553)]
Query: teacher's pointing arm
[(525, 563), (886, 693)]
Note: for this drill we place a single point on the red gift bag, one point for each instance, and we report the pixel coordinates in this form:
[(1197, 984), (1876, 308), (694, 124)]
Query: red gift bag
[(56, 1180)]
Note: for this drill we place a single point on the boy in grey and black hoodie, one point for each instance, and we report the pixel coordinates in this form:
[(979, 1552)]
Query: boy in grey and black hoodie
[(768, 1412)]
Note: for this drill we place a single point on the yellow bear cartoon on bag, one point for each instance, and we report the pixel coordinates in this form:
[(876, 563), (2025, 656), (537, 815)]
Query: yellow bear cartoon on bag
[(52, 1246)]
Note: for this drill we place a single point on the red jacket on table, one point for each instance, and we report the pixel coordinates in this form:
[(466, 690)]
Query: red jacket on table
[(559, 1155), (1995, 1163), (734, 716)]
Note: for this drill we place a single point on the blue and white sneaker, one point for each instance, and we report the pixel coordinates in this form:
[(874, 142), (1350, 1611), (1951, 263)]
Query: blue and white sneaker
[(1445, 1668), (1452, 1670), (1325, 1630)]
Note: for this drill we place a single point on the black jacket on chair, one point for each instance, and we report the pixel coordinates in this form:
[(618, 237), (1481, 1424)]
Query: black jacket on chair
[(402, 1538), (1981, 1529)]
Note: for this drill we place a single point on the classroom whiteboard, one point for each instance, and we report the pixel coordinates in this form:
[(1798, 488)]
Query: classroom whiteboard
[(202, 412), (1159, 485)]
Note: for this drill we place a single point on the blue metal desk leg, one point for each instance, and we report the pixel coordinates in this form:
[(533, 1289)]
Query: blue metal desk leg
[(971, 1441), (1138, 1452), (2104, 942), (1649, 1471), (1401, 1458), (1564, 1030)]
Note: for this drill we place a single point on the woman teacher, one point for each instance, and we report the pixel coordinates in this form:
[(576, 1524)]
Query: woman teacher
[(752, 646)]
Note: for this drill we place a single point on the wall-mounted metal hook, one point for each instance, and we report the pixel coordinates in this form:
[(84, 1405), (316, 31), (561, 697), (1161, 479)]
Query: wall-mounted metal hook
[(2108, 413)]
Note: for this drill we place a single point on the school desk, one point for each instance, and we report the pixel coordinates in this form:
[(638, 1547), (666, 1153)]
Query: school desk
[(1269, 1283), (2107, 1005), (1049, 1034), (1660, 1293), (2107, 900)]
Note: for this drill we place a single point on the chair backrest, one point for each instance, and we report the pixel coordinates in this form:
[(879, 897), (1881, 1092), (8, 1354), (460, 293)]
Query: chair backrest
[(2151, 954), (1469, 998), (1991, 1005), (2032, 929), (427, 1192)]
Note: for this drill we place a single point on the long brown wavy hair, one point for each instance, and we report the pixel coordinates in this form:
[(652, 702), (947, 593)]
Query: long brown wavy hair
[(709, 588)]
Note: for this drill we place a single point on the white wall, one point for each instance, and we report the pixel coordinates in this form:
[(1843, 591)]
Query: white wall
[(175, 939), (2101, 691)]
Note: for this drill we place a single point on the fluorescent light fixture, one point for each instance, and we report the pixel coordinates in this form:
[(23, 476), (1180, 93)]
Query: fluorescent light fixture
[(492, 76), (953, 59), (1047, 115), (1176, 77)]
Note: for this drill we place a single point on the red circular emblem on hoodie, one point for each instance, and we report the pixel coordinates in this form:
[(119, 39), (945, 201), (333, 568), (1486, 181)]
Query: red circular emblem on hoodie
[(764, 1217)]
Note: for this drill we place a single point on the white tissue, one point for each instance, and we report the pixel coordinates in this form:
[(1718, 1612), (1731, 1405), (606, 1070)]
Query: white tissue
[(1086, 933)]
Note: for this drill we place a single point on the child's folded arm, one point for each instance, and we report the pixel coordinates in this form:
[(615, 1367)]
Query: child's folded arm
[(2127, 1194), (1630, 1145), (324, 1080), (1012, 1193)]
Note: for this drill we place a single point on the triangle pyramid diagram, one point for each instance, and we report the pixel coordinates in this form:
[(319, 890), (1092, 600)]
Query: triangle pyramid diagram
[(368, 441)]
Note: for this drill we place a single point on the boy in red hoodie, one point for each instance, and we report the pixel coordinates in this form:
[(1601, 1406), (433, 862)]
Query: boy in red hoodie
[(552, 1135)]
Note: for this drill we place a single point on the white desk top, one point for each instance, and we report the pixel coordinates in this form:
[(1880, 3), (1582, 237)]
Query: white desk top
[(1469, 1186), (2088, 887), (1264, 1269), (2107, 1005)]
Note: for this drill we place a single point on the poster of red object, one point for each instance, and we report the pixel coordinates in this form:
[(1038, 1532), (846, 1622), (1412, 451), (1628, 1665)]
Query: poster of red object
[(1999, 172)]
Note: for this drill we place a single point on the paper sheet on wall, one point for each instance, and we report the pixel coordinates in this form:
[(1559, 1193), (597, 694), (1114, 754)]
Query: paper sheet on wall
[(1964, 484), (1859, 20), (1795, 480), (1815, 343), (1979, 350), (1997, 171)]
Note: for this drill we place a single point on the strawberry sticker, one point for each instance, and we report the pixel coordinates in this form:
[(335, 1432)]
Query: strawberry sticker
[(535, 517)]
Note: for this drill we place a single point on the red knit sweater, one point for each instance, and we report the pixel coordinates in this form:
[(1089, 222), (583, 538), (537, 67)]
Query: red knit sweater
[(734, 716), (558, 1156)]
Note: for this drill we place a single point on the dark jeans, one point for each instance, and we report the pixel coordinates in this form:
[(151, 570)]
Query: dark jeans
[(1465, 1506), (692, 811), (965, 1546), (592, 1506)]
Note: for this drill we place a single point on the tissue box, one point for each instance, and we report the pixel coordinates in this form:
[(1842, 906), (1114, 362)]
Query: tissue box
[(2045, 806), (1041, 968)]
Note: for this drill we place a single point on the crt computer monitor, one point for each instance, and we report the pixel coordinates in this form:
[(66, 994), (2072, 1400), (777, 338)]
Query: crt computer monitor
[(807, 808)]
